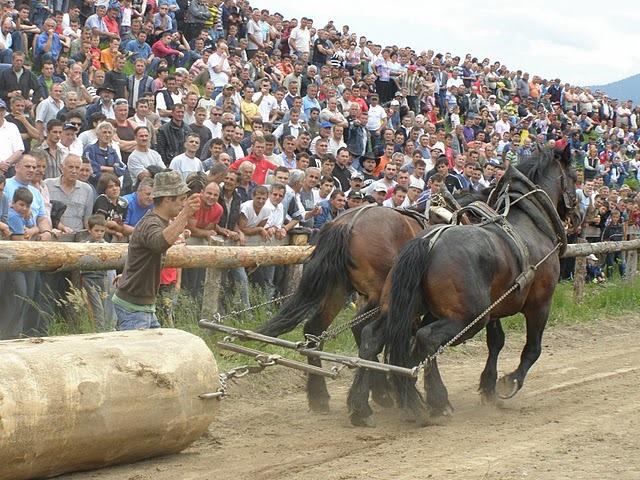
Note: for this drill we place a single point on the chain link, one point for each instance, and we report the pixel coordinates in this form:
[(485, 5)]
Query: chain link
[(217, 318), (263, 362), (317, 342)]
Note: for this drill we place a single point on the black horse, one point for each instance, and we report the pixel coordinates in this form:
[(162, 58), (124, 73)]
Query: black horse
[(453, 276)]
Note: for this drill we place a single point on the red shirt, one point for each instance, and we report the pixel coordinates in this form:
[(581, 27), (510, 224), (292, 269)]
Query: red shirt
[(262, 166), (112, 25), (205, 217), (160, 50)]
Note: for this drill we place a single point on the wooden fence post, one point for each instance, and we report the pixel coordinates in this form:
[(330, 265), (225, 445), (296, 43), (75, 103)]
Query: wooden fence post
[(579, 273), (293, 273), (212, 285)]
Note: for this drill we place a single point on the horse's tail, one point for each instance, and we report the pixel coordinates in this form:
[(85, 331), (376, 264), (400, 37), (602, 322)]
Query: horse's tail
[(405, 304), (325, 273)]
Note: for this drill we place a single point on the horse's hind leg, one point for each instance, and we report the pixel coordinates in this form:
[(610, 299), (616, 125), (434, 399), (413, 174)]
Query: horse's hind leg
[(317, 393), (429, 339), (380, 389), (536, 318), (489, 376), (371, 344)]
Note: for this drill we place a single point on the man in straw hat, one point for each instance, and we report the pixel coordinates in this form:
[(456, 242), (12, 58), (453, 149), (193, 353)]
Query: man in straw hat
[(135, 298)]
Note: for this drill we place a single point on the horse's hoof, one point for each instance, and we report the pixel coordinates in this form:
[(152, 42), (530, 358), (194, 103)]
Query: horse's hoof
[(384, 400), (358, 421), (488, 398), (507, 387), (319, 405)]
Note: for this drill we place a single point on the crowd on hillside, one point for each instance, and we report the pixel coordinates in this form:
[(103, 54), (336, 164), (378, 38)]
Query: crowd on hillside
[(280, 123)]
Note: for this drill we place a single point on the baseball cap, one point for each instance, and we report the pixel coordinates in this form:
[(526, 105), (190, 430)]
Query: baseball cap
[(357, 175), (69, 126), (398, 94), (3, 104), (325, 125), (379, 188), (395, 103), (354, 194)]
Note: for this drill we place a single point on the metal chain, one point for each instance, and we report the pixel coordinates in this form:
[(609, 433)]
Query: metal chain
[(217, 318), (263, 362), (313, 341), (427, 362)]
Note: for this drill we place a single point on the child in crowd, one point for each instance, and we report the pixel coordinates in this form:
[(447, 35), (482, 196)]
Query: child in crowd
[(97, 284), (21, 222), (95, 52), (126, 14), (614, 232), (594, 271)]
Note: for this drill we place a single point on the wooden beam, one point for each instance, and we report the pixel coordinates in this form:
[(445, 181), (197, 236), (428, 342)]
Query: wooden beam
[(584, 249), (62, 256), (52, 256)]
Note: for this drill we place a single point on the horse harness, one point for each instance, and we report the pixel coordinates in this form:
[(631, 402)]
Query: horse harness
[(489, 216)]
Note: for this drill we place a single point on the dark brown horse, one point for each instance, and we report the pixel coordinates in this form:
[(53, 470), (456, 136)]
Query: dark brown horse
[(355, 252), (452, 278)]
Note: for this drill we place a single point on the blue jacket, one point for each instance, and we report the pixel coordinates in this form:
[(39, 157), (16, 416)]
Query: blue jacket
[(99, 158), (326, 215)]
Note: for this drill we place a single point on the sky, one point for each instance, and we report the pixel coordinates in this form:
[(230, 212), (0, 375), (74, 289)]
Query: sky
[(576, 41)]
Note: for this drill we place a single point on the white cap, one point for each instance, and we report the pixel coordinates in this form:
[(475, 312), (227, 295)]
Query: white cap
[(439, 146), (416, 183)]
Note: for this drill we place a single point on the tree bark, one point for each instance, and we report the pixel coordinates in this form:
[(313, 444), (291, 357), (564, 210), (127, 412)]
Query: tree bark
[(50, 256), (89, 401)]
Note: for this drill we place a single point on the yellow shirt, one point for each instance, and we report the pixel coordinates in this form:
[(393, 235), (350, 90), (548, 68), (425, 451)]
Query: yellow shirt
[(251, 110)]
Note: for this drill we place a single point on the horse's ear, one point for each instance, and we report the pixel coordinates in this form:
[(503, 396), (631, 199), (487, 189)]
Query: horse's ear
[(565, 156)]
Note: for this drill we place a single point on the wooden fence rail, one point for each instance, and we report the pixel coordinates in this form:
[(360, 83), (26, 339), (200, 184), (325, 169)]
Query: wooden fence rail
[(71, 256)]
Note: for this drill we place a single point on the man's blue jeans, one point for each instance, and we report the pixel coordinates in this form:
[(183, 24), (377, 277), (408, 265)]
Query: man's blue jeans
[(130, 320)]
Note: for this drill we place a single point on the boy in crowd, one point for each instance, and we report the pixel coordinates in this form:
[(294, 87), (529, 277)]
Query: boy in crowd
[(97, 284)]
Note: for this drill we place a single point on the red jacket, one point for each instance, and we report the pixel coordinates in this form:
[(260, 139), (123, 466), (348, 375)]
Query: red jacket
[(262, 166)]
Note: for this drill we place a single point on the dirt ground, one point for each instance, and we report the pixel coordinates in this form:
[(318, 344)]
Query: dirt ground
[(577, 417)]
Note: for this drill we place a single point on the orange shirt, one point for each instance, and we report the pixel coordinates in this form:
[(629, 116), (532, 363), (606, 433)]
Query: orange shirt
[(383, 163), (107, 59)]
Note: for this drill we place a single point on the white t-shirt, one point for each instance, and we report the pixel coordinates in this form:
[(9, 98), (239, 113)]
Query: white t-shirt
[(219, 79), (376, 115), (185, 165), (11, 140), (253, 218), (301, 39), (267, 104)]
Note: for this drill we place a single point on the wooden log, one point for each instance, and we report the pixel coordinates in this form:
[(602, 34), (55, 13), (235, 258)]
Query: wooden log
[(49, 256), (584, 249), (88, 401)]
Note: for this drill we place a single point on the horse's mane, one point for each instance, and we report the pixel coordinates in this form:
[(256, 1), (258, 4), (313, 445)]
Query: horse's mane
[(537, 165)]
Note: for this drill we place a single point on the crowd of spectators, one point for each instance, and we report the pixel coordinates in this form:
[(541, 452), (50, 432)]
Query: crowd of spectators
[(279, 123)]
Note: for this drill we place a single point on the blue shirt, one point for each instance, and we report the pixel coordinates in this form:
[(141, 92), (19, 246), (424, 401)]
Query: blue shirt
[(308, 104), (17, 223), (4, 208), (56, 45), (37, 206), (141, 51), (135, 211)]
